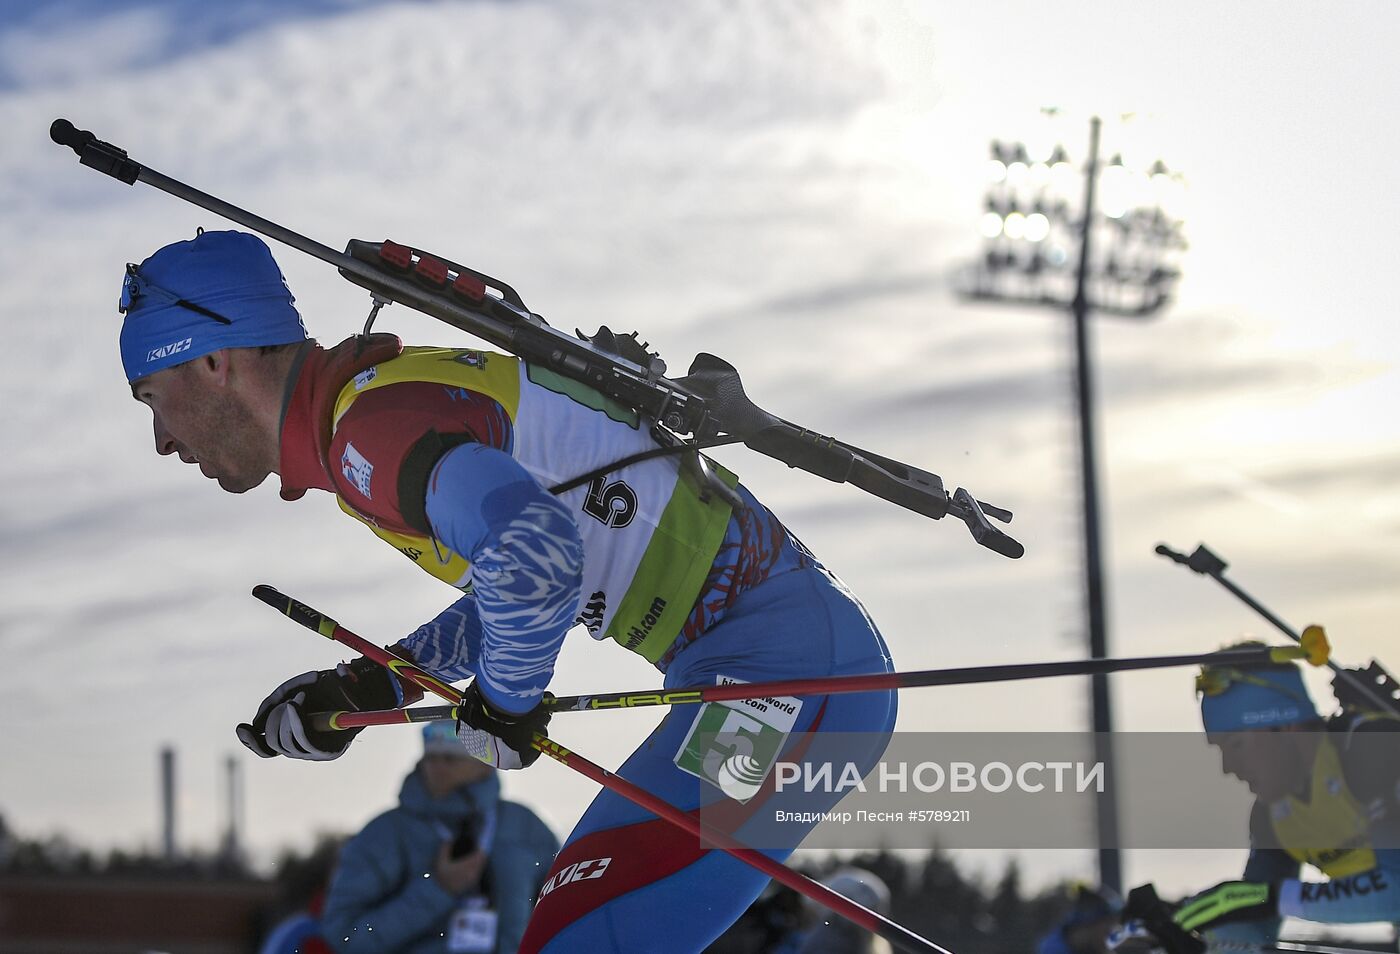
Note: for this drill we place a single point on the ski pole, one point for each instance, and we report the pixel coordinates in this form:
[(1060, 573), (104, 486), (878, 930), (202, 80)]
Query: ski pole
[(1314, 650), (1206, 563), (1283, 947), (1135, 931), (898, 935)]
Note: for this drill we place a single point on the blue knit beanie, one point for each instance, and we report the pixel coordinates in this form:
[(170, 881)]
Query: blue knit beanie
[(1258, 699), (440, 738), (217, 290)]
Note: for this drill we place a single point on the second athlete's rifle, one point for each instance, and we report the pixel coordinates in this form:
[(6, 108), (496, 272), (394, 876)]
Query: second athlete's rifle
[(705, 408), (1369, 689)]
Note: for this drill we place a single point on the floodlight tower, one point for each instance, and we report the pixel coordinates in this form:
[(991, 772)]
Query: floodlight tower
[(1114, 255)]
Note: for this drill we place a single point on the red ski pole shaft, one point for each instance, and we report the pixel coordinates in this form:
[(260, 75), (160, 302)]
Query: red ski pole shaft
[(896, 934), (319, 622)]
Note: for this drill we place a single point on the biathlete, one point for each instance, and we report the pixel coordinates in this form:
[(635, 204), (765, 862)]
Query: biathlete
[(448, 455), (1327, 795)]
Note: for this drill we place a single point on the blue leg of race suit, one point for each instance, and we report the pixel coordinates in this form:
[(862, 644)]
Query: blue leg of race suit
[(659, 891)]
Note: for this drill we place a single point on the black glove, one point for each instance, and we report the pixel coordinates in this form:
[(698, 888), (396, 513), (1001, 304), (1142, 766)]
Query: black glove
[(279, 728), (495, 737), (1156, 915)]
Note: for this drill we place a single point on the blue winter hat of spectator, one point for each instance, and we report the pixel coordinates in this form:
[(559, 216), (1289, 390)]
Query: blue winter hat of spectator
[(217, 290), (440, 738), (1234, 700)]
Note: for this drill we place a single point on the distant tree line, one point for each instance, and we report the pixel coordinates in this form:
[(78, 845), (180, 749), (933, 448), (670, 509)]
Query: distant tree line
[(58, 855), (929, 895)]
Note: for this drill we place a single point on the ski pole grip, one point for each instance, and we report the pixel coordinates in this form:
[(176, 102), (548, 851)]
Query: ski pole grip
[(297, 610), (326, 722), (93, 152)]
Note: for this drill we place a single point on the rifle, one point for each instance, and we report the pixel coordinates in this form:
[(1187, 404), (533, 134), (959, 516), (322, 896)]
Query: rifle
[(705, 408), (1369, 689)]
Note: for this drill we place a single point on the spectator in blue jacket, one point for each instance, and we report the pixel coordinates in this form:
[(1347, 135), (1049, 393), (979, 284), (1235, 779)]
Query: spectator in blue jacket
[(454, 869)]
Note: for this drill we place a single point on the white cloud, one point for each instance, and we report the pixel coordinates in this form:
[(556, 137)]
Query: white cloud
[(67, 45)]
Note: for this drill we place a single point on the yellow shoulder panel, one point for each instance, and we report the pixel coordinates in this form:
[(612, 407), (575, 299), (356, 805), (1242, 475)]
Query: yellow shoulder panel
[(487, 372)]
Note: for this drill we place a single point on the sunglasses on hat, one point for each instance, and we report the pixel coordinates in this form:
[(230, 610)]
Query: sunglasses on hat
[(136, 286), (1217, 680)]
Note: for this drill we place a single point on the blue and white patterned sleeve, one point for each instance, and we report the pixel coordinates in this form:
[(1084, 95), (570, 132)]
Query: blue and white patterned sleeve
[(449, 644), (527, 572)]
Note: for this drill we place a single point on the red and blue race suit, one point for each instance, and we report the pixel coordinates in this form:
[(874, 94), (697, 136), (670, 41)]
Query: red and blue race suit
[(449, 455)]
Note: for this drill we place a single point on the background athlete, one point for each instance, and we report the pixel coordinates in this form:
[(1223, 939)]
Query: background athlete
[(1327, 794)]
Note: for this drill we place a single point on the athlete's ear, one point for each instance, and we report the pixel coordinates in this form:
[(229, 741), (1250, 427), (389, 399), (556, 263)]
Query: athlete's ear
[(213, 368)]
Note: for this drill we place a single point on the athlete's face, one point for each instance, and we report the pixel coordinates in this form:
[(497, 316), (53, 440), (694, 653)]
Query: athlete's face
[(1265, 760), (199, 414)]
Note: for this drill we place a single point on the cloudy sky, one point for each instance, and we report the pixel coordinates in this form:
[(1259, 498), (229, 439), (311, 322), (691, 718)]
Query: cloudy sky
[(792, 185)]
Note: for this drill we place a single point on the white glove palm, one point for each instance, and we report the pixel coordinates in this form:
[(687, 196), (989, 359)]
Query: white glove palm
[(485, 747)]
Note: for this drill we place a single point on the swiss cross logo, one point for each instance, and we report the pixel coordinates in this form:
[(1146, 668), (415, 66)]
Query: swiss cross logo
[(579, 871)]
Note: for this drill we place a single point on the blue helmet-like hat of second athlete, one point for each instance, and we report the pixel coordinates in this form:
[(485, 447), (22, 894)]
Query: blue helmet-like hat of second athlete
[(1241, 699)]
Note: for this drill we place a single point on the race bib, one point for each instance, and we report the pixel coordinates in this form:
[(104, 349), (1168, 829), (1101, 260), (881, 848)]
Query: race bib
[(733, 744), (472, 929)]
